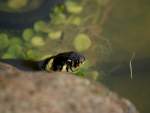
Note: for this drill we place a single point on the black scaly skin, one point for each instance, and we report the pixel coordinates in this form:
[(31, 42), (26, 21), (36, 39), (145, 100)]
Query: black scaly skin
[(70, 59)]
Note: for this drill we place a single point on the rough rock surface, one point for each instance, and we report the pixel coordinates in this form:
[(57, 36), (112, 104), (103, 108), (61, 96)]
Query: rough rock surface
[(24, 92)]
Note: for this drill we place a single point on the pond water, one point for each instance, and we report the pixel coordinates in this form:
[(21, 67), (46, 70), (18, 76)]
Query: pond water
[(128, 30), (124, 38)]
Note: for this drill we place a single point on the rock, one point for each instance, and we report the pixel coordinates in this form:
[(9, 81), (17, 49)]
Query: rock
[(56, 92)]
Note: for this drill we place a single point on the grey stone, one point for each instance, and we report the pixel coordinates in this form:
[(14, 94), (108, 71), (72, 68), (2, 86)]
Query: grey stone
[(56, 92)]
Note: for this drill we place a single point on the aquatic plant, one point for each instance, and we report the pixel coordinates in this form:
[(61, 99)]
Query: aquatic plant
[(72, 26)]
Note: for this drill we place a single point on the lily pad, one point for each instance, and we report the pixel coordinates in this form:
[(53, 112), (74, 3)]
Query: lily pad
[(74, 20), (27, 34), (55, 35), (58, 16), (82, 42), (37, 41), (73, 7), (59, 19), (41, 26), (15, 51)]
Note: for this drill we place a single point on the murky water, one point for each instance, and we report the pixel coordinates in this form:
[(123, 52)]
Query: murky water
[(137, 89), (128, 31)]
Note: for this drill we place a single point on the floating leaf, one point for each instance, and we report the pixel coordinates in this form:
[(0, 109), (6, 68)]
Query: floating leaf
[(74, 20), (73, 7), (37, 41), (59, 19), (27, 34), (82, 42), (14, 51), (55, 35), (58, 16), (41, 26)]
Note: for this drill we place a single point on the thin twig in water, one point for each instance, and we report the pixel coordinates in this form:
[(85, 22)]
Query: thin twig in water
[(130, 65)]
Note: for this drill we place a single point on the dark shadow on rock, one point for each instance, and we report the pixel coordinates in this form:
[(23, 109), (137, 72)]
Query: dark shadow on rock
[(24, 65)]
